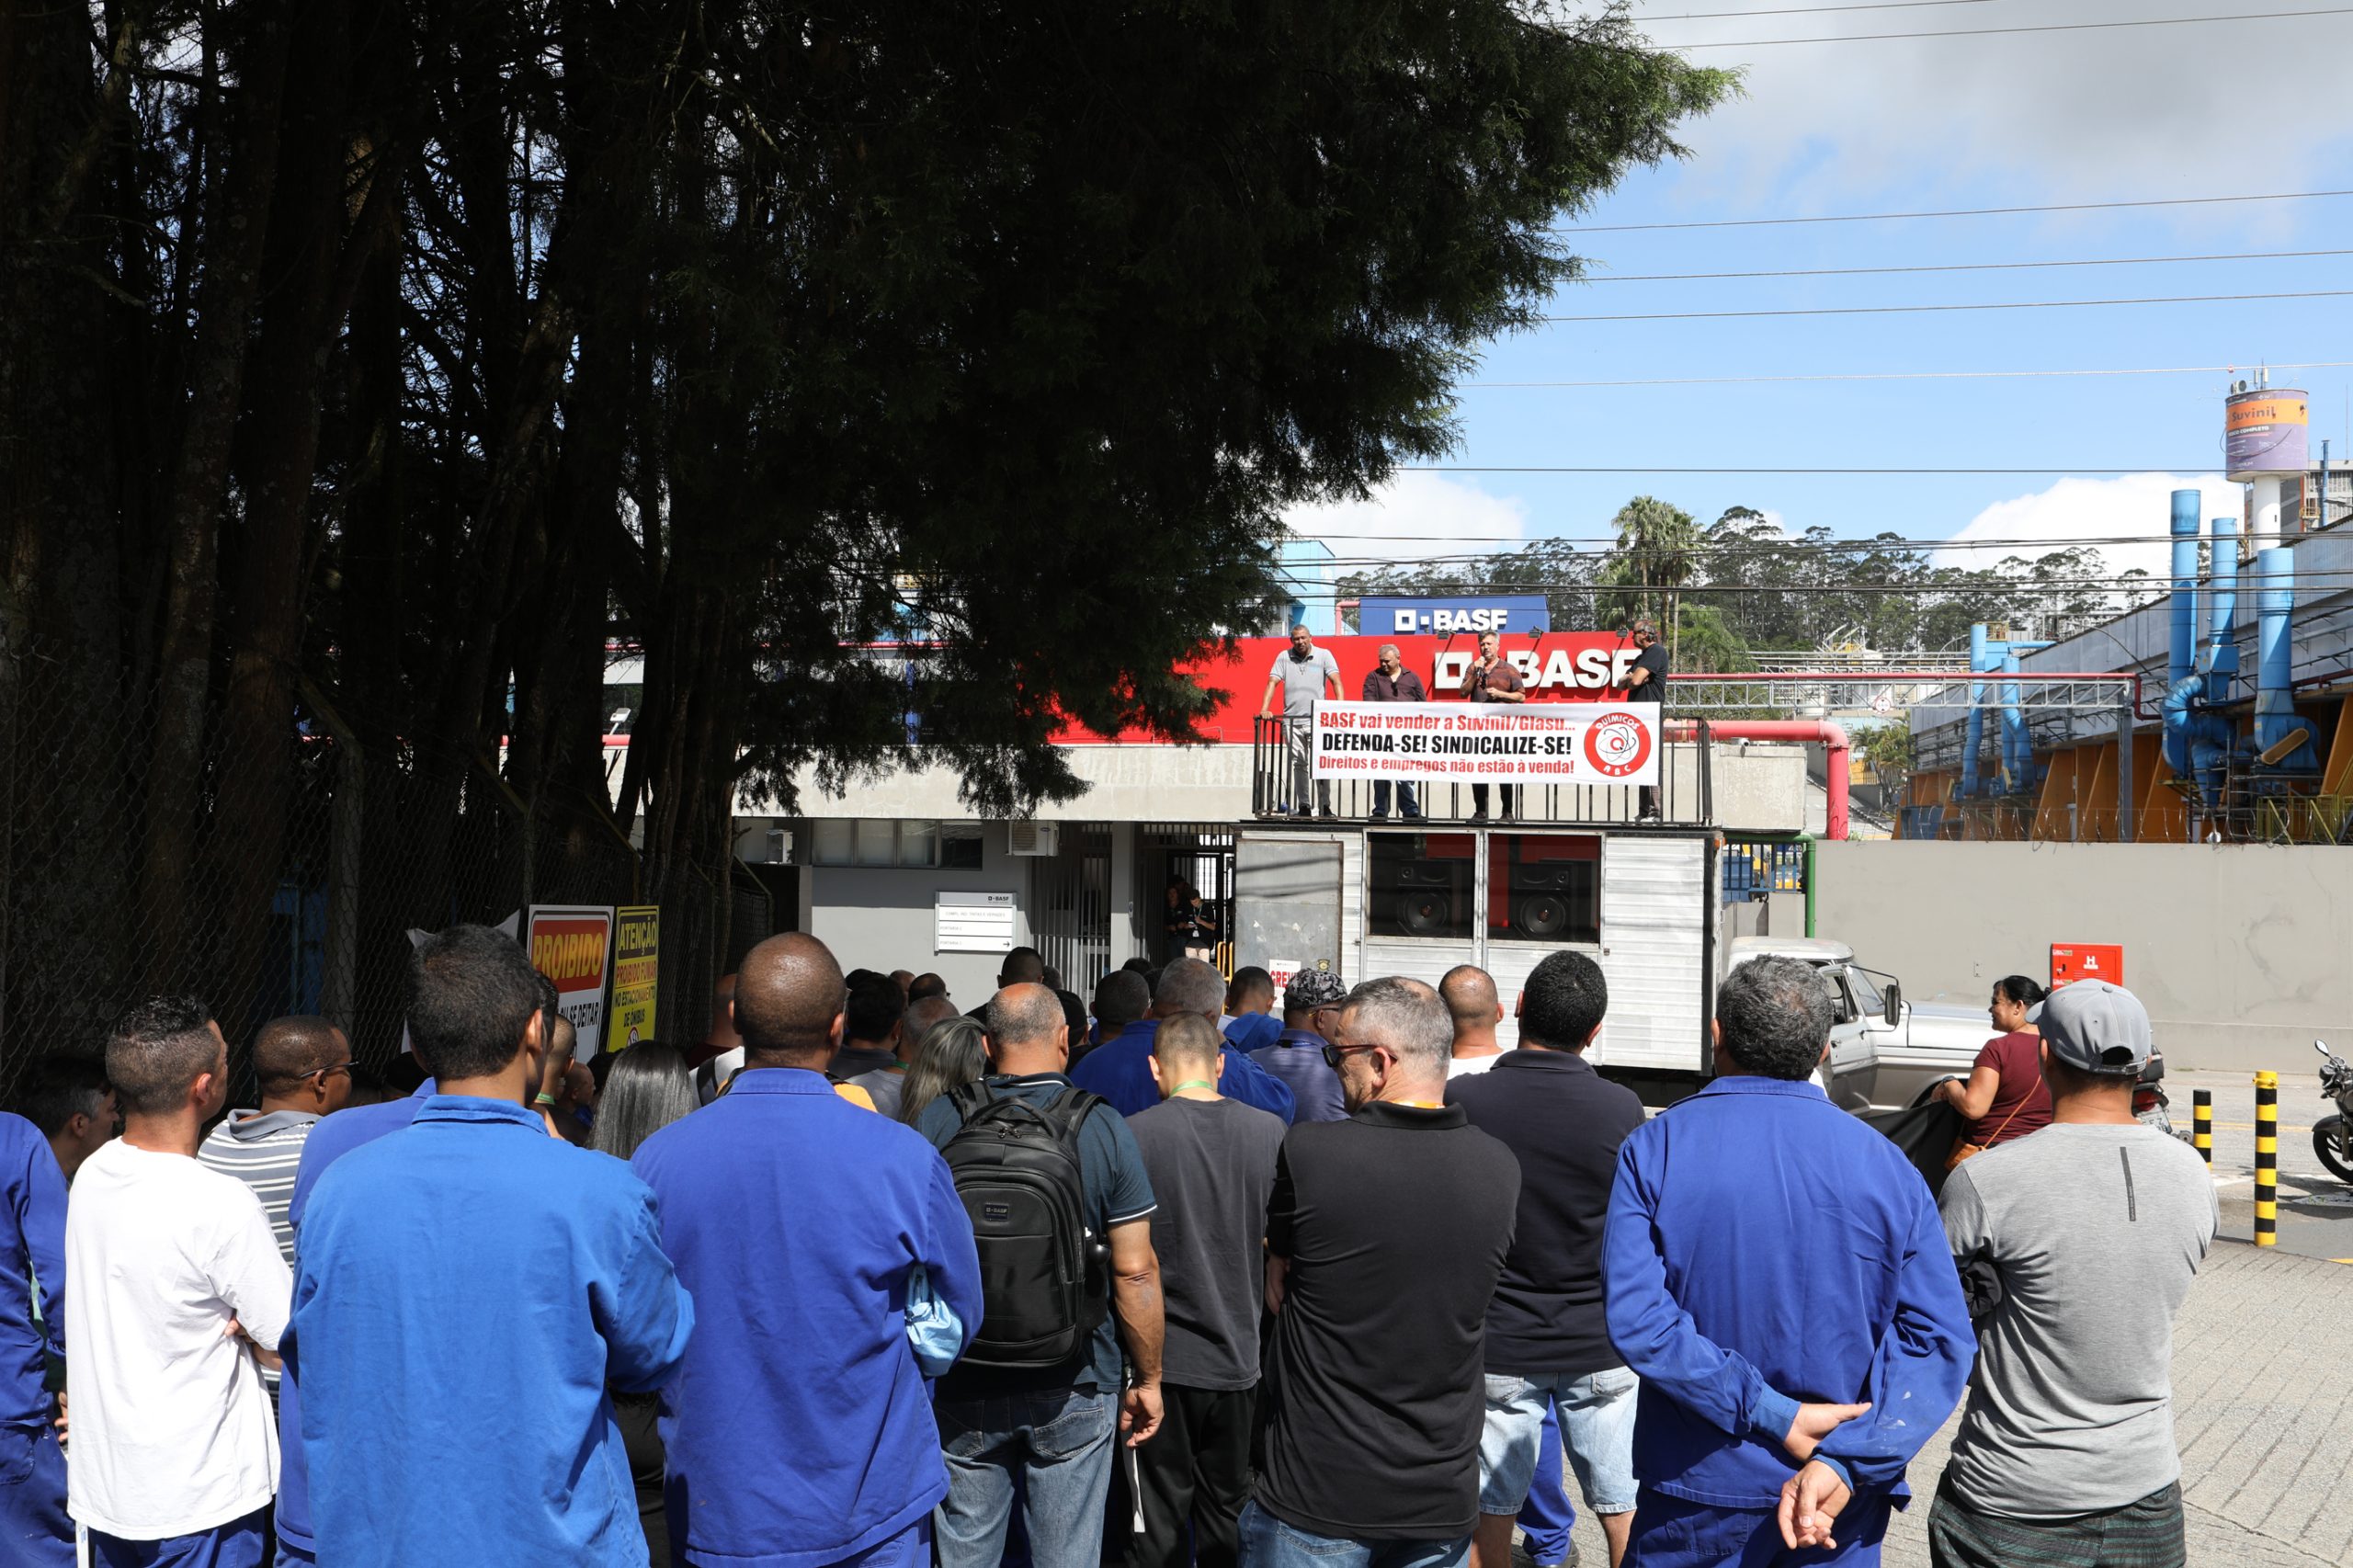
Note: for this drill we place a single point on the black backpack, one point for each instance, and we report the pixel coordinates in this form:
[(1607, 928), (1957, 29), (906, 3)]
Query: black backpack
[(1045, 1275)]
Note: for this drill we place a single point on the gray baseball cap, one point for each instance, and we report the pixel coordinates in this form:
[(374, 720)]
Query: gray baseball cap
[(2094, 1026)]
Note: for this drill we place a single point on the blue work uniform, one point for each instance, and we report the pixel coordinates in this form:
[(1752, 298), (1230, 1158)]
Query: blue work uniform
[(332, 1138), (796, 1218), (1253, 1032), (34, 1527), (1121, 1073), (464, 1291), (1297, 1058), (1765, 1248)]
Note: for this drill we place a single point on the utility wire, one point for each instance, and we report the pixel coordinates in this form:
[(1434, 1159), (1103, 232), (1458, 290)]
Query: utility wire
[(1543, 468), (2040, 28), (1912, 376), (1807, 10), (1959, 266), (1923, 310), (1954, 212)]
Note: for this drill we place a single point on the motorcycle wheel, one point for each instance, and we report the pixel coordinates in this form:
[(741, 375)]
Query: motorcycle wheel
[(2333, 1143)]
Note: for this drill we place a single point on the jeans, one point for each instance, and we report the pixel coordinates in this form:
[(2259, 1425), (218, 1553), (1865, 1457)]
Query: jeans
[(1059, 1443), (237, 1544), (34, 1528), (1407, 804), (1268, 1542), (1548, 1516), (1479, 799), (1596, 1428), (1195, 1477), (1671, 1532), (1299, 743)]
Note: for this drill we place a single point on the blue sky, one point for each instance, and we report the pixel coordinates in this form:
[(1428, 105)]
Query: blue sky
[(2117, 115)]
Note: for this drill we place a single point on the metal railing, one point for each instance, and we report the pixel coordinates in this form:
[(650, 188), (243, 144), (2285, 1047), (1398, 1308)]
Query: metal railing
[(1280, 788)]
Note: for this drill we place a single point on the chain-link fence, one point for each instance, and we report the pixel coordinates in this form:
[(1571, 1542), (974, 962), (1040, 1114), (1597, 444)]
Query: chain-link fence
[(117, 883)]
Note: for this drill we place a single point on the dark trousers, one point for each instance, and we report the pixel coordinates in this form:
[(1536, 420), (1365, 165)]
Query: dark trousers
[(639, 1417), (1510, 794), (1195, 1472)]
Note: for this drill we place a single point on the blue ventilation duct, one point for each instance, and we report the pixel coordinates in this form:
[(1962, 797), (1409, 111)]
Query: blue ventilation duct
[(1974, 731), (2282, 740), (2219, 659), (2185, 512)]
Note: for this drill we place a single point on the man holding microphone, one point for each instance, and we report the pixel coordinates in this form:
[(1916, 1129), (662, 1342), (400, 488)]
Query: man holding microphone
[(1491, 679)]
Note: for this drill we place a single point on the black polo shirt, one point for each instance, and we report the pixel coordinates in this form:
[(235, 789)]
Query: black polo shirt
[(1395, 1222), (1563, 1123)]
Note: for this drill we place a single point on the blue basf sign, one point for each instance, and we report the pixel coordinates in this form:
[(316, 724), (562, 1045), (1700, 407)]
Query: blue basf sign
[(1482, 612)]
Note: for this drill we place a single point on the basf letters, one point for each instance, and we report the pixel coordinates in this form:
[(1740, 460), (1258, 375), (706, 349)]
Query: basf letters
[(1379, 616)]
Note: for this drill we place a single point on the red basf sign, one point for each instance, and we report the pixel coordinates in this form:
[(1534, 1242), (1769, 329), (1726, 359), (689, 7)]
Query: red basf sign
[(2086, 961), (1558, 667)]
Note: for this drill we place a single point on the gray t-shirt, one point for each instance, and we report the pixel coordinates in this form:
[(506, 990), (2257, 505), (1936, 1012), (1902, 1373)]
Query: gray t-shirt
[(1304, 679), (2096, 1231), (1212, 1167)]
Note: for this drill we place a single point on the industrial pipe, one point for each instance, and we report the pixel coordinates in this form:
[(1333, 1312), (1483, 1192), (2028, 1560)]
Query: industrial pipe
[(2281, 739), (2219, 662), (1974, 730), (1828, 733), (2187, 511)]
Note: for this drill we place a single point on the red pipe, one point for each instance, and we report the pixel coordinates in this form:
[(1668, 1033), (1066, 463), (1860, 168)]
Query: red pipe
[(1825, 731)]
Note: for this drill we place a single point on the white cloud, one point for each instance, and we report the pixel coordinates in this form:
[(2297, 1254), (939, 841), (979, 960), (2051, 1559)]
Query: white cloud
[(2133, 511), (1428, 510), (2221, 108)]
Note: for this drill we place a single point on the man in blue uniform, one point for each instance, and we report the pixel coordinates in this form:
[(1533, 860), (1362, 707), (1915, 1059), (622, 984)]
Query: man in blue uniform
[(1778, 1278), (467, 1289), (34, 1527), (1121, 1071), (1310, 1011), (802, 1431)]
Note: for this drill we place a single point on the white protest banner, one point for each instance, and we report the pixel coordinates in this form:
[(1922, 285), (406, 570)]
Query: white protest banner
[(1539, 743)]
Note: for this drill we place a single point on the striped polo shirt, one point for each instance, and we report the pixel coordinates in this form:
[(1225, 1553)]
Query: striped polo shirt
[(262, 1149)]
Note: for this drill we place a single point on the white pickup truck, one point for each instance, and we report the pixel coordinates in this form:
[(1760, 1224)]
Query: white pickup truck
[(1884, 1051)]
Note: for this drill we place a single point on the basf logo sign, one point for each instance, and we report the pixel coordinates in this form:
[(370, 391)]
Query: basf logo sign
[(1507, 613)]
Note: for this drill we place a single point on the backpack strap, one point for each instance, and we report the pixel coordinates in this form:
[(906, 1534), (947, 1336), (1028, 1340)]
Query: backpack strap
[(1067, 1112), (971, 1098)]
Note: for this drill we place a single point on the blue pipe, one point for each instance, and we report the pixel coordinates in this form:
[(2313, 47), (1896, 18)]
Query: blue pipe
[(2185, 512), (2275, 708), (2219, 659), (1974, 731)]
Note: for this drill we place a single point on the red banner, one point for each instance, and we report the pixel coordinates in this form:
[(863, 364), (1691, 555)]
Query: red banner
[(1558, 667)]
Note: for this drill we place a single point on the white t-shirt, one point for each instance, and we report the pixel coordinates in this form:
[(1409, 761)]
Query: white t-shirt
[(1464, 1066), (172, 1429)]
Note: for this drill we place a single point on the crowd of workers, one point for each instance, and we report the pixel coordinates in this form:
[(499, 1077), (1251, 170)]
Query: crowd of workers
[(1154, 1278)]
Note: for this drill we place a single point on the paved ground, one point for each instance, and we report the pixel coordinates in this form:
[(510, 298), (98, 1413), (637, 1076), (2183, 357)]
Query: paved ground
[(2315, 1209), (2263, 1410)]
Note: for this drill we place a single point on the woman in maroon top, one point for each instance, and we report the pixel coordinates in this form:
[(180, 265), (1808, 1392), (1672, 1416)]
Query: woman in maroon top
[(2004, 1098)]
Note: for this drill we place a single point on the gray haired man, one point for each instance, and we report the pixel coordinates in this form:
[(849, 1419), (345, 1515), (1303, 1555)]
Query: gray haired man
[(1304, 674), (2081, 1240), (1390, 681), (1385, 1237)]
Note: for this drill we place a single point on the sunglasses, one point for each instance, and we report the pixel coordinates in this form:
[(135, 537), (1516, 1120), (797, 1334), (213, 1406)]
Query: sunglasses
[(1333, 1054)]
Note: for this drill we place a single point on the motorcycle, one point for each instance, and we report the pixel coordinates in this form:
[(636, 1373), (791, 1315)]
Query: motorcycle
[(2333, 1135), (2150, 1105)]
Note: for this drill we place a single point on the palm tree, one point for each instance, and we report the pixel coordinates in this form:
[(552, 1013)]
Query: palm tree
[(1658, 551)]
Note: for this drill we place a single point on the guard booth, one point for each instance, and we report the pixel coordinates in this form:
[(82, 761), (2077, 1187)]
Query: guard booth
[(1575, 868)]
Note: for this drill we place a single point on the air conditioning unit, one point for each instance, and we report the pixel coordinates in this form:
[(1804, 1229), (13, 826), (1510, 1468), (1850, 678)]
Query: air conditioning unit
[(1034, 837)]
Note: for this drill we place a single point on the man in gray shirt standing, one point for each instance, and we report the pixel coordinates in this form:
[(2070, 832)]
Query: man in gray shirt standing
[(2077, 1244), (1303, 674)]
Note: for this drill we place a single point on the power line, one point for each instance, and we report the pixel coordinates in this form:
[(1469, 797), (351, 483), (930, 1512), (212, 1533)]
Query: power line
[(1538, 467), (1925, 309), (2040, 28), (1960, 267), (1910, 376), (1809, 10), (1954, 212)]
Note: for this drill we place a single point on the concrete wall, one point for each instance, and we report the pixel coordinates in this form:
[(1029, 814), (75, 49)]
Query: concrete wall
[(879, 917), (2242, 953)]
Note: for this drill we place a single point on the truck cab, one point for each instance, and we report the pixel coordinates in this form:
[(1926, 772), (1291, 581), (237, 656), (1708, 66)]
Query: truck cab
[(1884, 1053)]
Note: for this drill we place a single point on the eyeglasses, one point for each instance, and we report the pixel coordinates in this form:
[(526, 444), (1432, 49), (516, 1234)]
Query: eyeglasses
[(327, 1071), (1331, 1053)]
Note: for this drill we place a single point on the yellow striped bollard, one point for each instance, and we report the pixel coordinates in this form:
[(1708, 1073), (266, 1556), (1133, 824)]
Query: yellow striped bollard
[(2201, 1124), (2267, 1159)]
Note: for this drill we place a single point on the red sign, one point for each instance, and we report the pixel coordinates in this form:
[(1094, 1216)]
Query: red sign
[(2086, 961), (1557, 666)]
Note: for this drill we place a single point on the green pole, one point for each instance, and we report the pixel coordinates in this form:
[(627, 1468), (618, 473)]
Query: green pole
[(1812, 861)]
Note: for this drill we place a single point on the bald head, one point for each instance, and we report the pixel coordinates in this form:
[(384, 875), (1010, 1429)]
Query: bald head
[(1473, 1007), (922, 1013), (288, 1049), (1189, 985), (1026, 1031), (788, 999)]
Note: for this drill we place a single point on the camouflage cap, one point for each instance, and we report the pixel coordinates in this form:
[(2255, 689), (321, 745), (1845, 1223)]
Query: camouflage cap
[(1313, 988)]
